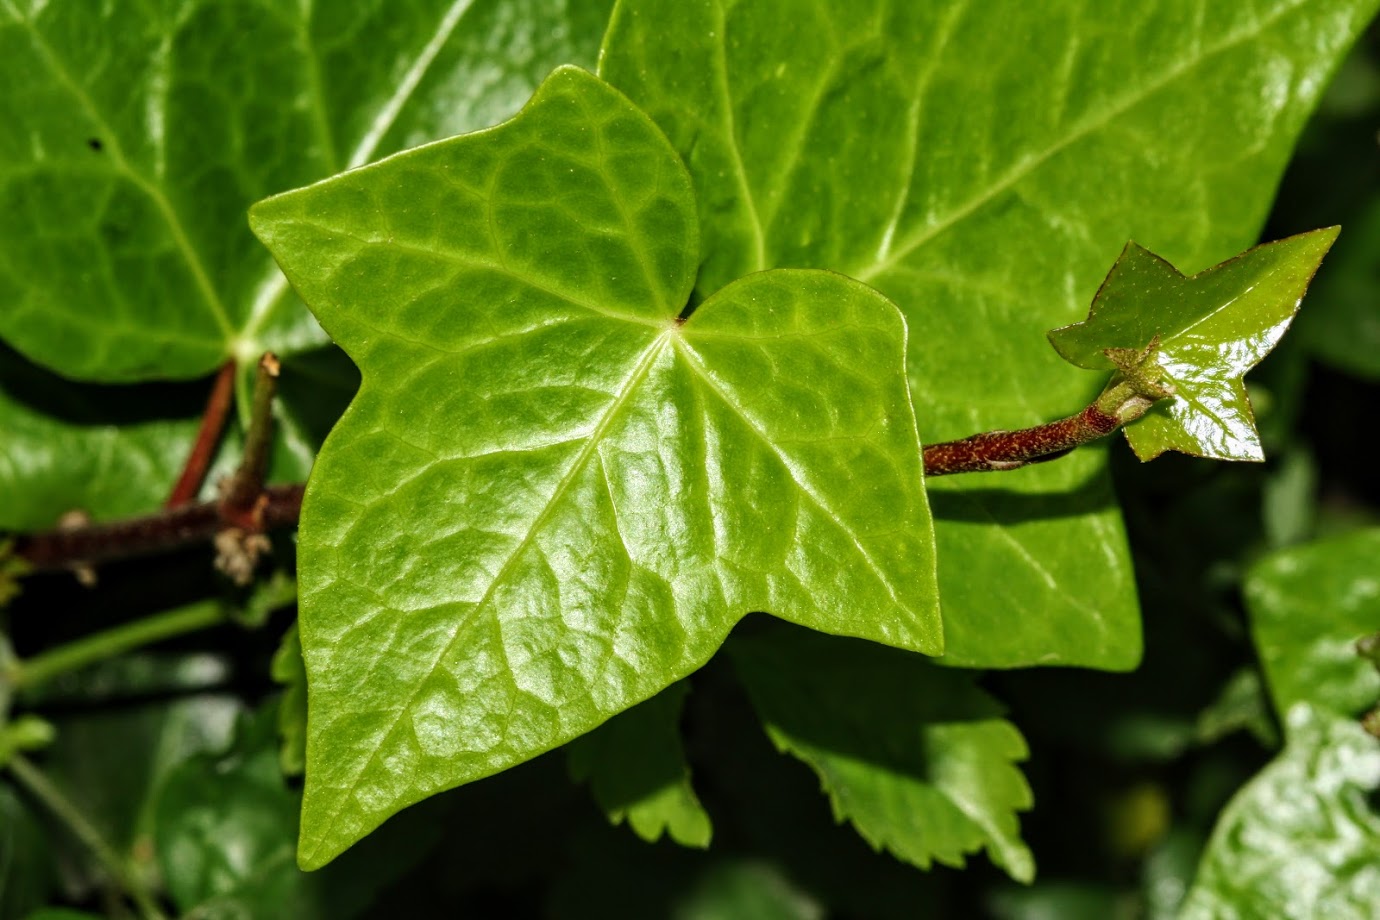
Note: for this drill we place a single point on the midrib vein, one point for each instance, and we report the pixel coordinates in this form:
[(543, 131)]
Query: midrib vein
[(606, 421), (1021, 171)]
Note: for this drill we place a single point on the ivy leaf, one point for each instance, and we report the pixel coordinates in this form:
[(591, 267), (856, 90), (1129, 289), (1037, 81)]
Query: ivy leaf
[(138, 134), (914, 755), (551, 498), (1300, 839), (1308, 606), (863, 139), (635, 765), (1205, 331)]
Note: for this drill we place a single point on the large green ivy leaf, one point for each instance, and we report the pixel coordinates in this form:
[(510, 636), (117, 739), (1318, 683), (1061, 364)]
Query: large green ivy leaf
[(1300, 839), (915, 756), (635, 766), (1205, 332), (984, 183), (1308, 606), (552, 498), (137, 135)]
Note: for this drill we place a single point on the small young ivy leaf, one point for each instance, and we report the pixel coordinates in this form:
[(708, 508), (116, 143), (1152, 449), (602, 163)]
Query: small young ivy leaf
[(1211, 328), (635, 766), (916, 756), (551, 497)]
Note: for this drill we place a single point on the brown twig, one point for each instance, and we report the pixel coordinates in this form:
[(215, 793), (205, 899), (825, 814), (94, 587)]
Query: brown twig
[(237, 522), (207, 438), (172, 528), (1008, 450), (1138, 384)]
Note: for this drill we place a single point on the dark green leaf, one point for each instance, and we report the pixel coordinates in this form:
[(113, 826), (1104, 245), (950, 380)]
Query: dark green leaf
[(1341, 324), (1300, 839), (64, 449), (138, 134), (224, 831), (914, 755), (1308, 607), (552, 498), (289, 670), (1205, 332), (635, 766), (983, 183)]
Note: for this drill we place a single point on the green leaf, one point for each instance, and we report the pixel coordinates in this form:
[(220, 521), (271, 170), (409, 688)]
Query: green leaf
[(984, 185), (1308, 606), (914, 755), (1300, 839), (290, 671), (635, 766), (69, 446), (552, 498), (138, 134), (1205, 332), (224, 831), (1341, 325)]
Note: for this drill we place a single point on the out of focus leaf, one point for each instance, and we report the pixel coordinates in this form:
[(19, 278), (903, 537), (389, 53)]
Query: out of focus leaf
[(1308, 607), (1300, 839), (635, 766), (913, 754)]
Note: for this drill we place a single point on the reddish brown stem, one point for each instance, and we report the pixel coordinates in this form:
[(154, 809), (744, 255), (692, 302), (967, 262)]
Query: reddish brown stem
[(1008, 450), (172, 528), (207, 438)]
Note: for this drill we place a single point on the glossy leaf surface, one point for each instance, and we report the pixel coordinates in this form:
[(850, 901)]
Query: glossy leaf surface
[(1300, 839), (551, 498), (138, 134), (635, 766), (917, 147), (1308, 607), (914, 755), (1210, 328)]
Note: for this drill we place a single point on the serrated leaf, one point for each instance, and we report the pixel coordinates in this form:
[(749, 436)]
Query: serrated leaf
[(914, 755), (1308, 606), (1300, 839), (984, 185), (138, 134), (635, 766), (552, 498), (1206, 331)]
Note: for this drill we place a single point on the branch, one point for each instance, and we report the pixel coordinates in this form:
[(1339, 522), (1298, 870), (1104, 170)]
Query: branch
[(1137, 386), (207, 438), (172, 528)]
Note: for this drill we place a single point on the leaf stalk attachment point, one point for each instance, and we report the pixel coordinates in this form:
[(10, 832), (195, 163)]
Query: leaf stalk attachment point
[(1138, 384)]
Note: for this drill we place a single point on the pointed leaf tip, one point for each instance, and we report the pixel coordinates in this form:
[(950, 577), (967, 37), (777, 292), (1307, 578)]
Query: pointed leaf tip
[(1205, 331)]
